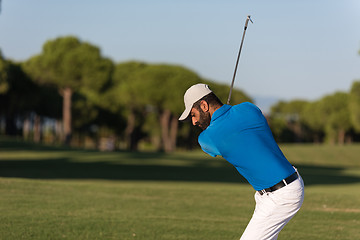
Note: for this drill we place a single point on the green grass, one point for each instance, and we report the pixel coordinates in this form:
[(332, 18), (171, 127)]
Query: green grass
[(57, 193)]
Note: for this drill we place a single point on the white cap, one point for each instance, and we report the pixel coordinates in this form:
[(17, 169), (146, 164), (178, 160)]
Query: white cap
[(192, 95)]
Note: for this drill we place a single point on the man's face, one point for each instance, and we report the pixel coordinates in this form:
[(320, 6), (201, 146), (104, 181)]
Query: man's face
[(200, 118)]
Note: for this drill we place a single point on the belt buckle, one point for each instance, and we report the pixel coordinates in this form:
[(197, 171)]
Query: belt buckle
[(285, 183), (262, 192)]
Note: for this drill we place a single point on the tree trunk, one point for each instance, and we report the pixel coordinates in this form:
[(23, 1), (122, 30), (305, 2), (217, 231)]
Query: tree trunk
[(348, 139), (67, 94), (26, 128), (316, 138), (169, 126), (129, 131), (173, 132), (58, 131), (37, 128), (298, 132), (164, 124), (341, 137)]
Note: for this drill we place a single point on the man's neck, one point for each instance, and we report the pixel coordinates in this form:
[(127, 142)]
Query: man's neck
[(212, 109)]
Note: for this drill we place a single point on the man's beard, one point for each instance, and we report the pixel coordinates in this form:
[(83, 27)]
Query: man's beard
[(204, 121)]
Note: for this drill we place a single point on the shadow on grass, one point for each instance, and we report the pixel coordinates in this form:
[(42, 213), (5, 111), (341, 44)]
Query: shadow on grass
[(144, 167), (65, 169)]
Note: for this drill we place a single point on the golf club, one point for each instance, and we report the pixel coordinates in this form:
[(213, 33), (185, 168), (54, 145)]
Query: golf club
[(238, 57)]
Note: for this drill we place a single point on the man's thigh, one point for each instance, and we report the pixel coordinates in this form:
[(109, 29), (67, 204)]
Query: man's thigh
[(273, 211)]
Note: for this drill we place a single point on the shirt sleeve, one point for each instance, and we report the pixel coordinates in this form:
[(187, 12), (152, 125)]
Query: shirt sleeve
[(208, 152), (207, 145)]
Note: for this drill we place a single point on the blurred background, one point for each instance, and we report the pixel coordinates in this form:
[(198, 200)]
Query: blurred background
[(111, 75)]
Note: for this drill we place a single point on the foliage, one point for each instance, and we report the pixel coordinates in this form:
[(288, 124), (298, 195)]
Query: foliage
[(71, 66), (4, 86), (222, 91), (329, 116), (154, 91), (354, 105), (67, 62), (20, 97), (159, 88), (337, 116), (287, 120), (140, 102), (122, 92), (313, 117)]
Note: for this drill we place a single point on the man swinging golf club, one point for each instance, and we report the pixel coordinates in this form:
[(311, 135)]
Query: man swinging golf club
[(241, 135)]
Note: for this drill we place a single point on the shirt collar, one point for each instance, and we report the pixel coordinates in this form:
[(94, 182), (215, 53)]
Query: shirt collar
[(219, 112)]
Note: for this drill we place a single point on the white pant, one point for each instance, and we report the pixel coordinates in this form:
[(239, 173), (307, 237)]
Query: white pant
[(273, 211)]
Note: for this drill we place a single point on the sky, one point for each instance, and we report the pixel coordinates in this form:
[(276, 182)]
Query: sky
[(294, 49)]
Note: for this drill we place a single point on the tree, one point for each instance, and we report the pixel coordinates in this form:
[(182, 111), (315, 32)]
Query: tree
[(162, 88), (222, 91), (288, 116), (354, 105), (70, 65), (151, 97), (329, 115), (17, 96), (123, 98), (335, 111), (4, 86), (314, 120)]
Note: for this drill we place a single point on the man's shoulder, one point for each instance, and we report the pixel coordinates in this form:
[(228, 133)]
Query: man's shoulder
[(246, 105), (245, 108), (246, 113)]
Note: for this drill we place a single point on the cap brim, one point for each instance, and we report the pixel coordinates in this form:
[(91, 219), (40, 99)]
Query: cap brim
[(185, 114)]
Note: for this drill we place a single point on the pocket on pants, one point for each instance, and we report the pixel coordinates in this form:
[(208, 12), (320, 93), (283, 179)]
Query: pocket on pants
[(290, 194)]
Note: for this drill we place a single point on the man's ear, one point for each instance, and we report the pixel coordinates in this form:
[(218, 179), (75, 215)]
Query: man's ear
[(204, 106)]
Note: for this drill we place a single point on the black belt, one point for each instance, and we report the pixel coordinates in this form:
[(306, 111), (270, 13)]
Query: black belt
[(281, 184)]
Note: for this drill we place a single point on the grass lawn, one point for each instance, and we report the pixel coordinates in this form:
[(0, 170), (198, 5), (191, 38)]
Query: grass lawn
[(54, 193)]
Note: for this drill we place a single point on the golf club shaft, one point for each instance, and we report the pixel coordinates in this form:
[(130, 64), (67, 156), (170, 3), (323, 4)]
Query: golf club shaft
[(238, 58)]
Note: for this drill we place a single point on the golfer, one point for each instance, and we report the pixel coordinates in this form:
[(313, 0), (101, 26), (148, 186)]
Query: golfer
[(241, 135)]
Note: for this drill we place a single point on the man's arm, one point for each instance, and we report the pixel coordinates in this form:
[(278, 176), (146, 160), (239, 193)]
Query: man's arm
[(207, 145)]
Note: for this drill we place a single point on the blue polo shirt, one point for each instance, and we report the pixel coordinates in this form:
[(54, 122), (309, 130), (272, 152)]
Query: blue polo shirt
[(241, 135)]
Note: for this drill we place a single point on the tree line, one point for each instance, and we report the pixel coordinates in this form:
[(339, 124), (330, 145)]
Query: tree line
[(334, 118), (71, 94)]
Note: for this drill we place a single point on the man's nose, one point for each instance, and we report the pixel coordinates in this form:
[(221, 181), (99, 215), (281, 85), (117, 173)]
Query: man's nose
[(194, 121)]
